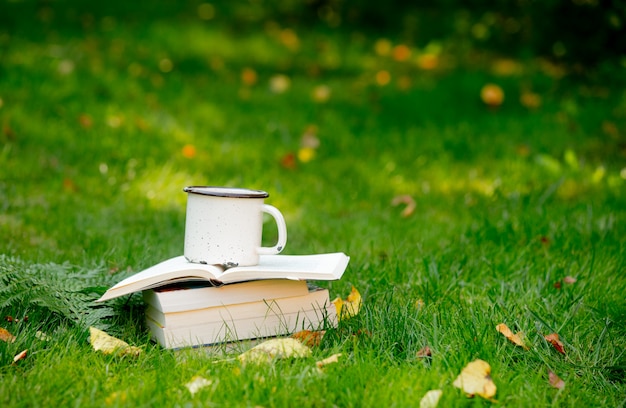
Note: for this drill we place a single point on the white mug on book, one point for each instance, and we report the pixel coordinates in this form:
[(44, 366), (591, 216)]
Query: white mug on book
[(224, 225)]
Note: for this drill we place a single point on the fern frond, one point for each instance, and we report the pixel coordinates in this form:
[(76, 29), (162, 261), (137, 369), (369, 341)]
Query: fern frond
[(62, 290)]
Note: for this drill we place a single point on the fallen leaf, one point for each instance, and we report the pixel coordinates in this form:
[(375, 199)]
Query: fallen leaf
[(514, 338), (85, 121), (248, 76), (279, 83), (569, 280), (288, 161), (405, 199), (424, 352), (189, 151), (431, 399), (383, 77), (329, 360), (309, 138), (555, 381), (475, 378), (309, 338), (553, 339), (349, 307), (530, 100), (69, 185), (306, 154), (383, 47), (101, 341), (5, 335), (197, 383), (428, 61), (401, 53), (20, 356), (289, 38), (275, 349), (492, 95), (321, 93)]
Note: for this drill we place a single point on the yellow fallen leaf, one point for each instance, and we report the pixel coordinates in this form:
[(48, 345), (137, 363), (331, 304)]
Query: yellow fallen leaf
[(321, 93), (475, 378), (514, 338), (329, 360), (279, 83), (306, 154), (431, 399), (492, 95), (197, 383), (349, 307), (5, 335), (275, 349), (101, 341)]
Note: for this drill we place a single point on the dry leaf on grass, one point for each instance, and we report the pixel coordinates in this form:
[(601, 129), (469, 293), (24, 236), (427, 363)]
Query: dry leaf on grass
[(555, 381), (408, 201), (349, 307), (424, 352), (309, 338), (431, 399), (101, 341), (197, 383), (569, 280), (517, 338), (275, 349), (5, 335), (553, 339), (475, 378), (20, 356), (328, 360)]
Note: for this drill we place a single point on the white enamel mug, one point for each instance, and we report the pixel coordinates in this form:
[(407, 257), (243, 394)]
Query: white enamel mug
[(224, 225)]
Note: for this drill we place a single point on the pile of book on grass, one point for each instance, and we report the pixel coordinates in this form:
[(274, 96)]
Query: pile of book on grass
[(192, 304)]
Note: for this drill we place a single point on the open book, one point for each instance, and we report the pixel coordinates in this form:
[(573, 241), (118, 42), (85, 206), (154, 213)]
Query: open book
[(179, 269)]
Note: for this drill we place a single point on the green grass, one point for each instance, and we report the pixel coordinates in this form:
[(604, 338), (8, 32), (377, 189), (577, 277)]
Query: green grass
[(509, 201)]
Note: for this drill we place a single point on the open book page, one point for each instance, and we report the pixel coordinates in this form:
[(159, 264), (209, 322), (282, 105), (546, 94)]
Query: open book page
[(299, 267), (310, 267), (173, 270)]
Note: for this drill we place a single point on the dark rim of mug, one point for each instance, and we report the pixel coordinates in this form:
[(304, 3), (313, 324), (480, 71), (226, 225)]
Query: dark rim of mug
[(235, 192)]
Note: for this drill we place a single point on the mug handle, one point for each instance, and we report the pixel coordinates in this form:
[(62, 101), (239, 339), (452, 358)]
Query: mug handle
[(282, 231)]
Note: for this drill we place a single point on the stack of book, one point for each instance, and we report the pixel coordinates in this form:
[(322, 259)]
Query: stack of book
[(190, 304)]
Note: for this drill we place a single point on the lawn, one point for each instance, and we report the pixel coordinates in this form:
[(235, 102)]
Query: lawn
[(519, 205)]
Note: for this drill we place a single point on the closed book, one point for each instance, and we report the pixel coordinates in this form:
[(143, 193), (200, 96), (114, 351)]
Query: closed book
[(187, 296), (253, 328), (252, 320)]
